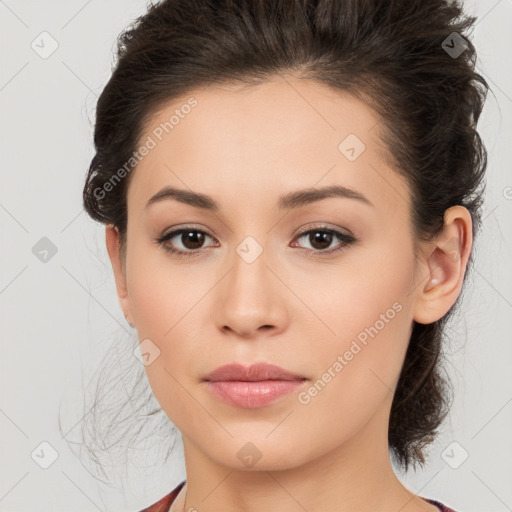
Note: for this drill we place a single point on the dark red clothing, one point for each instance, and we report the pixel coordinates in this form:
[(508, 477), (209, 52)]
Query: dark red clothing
[(165, 503)]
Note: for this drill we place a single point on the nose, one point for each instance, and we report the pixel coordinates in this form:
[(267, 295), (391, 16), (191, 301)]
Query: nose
[(250, 299)]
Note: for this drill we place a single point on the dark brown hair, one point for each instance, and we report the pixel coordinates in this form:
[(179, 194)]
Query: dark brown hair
[(410, 60)]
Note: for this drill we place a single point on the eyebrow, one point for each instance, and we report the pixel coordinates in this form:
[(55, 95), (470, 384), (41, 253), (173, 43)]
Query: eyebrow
[(288, 201)]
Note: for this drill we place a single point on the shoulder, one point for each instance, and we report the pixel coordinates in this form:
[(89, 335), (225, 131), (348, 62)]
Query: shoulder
[(164, 503)]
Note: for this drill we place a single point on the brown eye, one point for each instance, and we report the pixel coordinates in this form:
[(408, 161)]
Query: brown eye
[(183, 242), (321, 238), (192, 239)]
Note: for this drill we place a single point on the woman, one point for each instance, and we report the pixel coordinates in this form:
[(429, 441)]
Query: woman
[(290, 191)]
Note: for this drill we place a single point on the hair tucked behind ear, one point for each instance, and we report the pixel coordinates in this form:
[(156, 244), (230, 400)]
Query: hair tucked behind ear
[(398, 56)]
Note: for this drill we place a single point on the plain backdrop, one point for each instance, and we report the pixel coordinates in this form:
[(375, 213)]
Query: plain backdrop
[(57, 296)]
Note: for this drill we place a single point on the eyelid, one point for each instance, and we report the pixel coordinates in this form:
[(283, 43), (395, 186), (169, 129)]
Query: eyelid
[(175, 229), (322, 226)]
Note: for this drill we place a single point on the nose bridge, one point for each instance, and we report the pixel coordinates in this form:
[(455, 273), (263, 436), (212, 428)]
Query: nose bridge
[(250, 296), (250, 276)]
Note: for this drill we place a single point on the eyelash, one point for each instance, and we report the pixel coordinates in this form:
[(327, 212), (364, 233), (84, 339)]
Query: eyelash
[(344, 238)]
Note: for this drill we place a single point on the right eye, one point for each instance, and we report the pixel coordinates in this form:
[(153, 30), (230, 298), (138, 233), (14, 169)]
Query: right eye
[(191, 238)]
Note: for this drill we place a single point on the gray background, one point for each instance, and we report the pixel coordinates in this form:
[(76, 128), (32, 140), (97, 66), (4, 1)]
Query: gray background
[(60, 315)]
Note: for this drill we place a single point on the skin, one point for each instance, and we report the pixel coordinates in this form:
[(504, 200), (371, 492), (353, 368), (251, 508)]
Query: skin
[(245, 146)]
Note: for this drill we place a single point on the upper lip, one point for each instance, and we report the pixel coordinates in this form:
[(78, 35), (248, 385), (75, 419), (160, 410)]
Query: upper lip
[(253, 373)]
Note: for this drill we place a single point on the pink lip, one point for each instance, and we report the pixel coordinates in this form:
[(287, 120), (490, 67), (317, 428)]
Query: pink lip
[(251, 387)]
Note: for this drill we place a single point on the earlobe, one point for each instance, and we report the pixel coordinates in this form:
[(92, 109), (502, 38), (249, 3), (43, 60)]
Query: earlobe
[(113, 249), (446, 260)]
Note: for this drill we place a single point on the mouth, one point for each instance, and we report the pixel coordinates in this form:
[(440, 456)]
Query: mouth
[(252, 387)]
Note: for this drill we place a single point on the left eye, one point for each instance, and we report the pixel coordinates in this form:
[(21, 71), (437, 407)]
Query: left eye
[(322, 237)]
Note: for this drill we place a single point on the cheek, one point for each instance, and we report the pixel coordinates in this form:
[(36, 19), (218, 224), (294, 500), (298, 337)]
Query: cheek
[(366, 321), (357, 369), (365, 295), (168, 309), (160, 292)]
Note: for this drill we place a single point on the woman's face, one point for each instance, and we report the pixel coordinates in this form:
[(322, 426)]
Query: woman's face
[(336, 310)]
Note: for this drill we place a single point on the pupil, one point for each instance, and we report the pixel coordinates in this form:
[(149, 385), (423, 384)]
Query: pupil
[(324, 237), (194, 235)]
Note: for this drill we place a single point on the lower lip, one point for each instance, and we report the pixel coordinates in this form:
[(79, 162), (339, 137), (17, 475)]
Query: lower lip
[(252, 394)]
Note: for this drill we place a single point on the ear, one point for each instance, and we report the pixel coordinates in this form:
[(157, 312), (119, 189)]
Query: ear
[(445, 261), (113, 246)]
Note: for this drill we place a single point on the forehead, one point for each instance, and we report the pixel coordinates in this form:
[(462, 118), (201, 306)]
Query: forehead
[(225, 139)]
